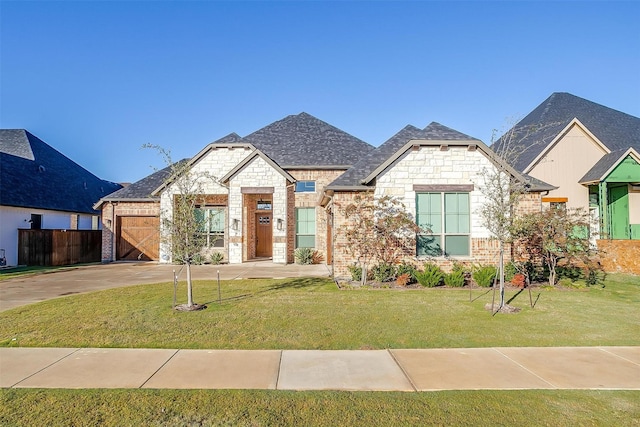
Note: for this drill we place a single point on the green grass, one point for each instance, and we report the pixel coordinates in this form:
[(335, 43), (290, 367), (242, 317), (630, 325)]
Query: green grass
[(312, 313), (28, 407)]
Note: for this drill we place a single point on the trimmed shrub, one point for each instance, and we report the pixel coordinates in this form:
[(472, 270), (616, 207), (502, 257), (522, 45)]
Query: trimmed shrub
[(409, 269), (484, 275), (431, 276), (304, 256), (356, 272), (455, 279), (403, 279), (383, 272), (198, 259), (216, 258)]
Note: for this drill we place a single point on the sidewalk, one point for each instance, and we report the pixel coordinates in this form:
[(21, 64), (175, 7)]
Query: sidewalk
[(507, 368)]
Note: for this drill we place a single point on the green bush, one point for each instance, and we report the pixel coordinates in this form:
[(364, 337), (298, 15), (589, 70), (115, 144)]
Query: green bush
[(409, 269), (304, 256), (484, 275), (431, 276), (569, 272), (356, 272), (198, 259), (455, 279), (384, 272), (595, 277), (510, 270), (216, 258)]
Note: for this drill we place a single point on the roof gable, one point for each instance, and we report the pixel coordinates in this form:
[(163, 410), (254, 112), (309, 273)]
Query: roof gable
[(35, 175), (302, 141), (248, 160), (540, 128), (607, 164)]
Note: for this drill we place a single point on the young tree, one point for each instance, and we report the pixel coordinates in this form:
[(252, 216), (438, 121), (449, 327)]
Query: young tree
[(181, 226), (503, 186), (557, 235), (378, 229)]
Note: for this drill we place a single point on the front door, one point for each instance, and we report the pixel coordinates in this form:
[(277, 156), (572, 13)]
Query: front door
[(619, 213), (263, 235)]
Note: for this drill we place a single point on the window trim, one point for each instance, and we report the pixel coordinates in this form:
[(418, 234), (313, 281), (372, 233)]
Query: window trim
[(443, 234)]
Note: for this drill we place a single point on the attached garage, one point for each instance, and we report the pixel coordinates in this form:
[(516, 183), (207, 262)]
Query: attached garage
[(138, 238)]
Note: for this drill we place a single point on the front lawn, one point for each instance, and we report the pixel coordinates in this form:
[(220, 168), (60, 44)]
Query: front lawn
[(312, 313)]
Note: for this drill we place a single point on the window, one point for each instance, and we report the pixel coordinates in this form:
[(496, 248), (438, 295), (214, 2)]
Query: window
[(36, 221), (305, 228), (211, 225), (305, 187), (447, 216)]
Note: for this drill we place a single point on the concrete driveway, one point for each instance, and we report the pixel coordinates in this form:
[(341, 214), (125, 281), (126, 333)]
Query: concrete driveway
[(40, 287)]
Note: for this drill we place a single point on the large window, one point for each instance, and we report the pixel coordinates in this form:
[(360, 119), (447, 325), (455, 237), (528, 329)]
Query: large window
[(305, 227), (447, 217), (211, 225), (305, 187)]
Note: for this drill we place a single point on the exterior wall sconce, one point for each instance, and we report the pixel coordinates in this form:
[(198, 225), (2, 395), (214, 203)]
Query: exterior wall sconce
[(280, 224), (235, 224)]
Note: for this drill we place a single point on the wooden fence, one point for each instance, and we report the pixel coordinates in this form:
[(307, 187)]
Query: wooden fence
[(59, 247)]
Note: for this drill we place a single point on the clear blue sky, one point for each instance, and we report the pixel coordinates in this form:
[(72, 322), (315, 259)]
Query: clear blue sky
[(96, 80)]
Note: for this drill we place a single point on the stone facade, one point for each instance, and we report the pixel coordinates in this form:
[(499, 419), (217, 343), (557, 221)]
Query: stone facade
[(620, 256)]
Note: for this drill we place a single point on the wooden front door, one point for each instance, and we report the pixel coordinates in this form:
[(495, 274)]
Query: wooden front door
[(137, 238), (264, 235)]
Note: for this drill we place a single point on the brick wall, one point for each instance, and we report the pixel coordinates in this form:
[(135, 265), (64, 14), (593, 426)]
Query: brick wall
[(110, 213)]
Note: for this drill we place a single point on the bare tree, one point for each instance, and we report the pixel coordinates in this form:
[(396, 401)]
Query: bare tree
[(181, 226)]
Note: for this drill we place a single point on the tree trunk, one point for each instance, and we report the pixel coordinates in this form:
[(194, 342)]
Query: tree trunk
[(501, 273), (189, 286)]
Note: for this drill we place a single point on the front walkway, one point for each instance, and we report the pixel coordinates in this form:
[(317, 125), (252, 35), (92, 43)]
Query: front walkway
[(40, 287), (604, 368)]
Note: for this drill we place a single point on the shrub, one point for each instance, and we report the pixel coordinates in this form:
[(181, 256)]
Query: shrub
[(198, 259), (408, 269), (484, 275), (431, 276), (403, 279), (384, 272), (595, 277), (510, 270), (356, 272), (216, 258), (304, 256), (569, 272), (455, 279)]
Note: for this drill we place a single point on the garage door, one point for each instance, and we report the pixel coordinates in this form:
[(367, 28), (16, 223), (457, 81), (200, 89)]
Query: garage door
[(138, 238)]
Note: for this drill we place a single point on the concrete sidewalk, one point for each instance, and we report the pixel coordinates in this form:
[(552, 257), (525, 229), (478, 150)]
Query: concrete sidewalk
[(40, 287), (516, 368)]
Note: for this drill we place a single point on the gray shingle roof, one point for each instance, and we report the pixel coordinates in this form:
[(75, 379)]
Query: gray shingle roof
[(35, 175), (303, 140), (614, 129), (596, 173), (357, 173), (141, 189)]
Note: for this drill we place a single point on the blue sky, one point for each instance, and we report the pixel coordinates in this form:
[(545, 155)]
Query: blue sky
[(96, 80)]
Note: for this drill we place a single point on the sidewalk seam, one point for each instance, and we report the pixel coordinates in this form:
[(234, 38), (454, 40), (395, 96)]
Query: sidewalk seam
[(618, 356), (158, 370), (525, 368), (46, 367), (279, 369), (404, 372)]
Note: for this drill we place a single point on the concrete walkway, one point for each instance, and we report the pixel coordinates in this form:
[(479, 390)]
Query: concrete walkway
[(605, 368), (40, 287)]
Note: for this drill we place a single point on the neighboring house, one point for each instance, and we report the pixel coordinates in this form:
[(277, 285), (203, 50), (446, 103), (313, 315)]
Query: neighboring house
[(263, 202), (590, 153), (438, 173), (42, 189)]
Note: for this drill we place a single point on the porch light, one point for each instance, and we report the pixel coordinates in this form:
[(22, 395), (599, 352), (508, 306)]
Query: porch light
[(235, 224), (280, 224)]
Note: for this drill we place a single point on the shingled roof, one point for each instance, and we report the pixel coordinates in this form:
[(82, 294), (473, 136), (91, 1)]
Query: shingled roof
[(35, 175), (603, 167), (374, 159), (534, 133), (304, 141)]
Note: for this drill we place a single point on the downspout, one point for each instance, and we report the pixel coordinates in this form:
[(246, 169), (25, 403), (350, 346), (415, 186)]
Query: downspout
[(113, 232)]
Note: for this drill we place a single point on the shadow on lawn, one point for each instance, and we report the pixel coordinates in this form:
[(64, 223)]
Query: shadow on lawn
[(298, 283)]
